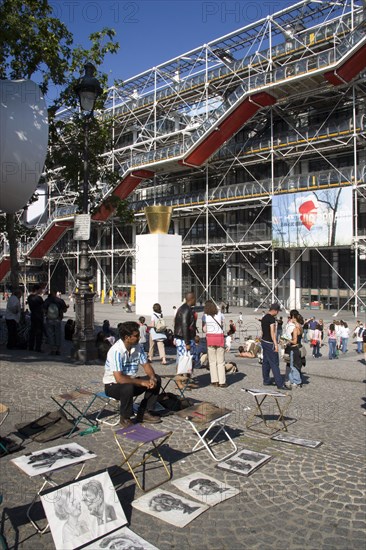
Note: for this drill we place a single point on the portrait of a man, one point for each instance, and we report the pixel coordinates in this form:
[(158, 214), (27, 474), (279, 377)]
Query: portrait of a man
[(204, 488)]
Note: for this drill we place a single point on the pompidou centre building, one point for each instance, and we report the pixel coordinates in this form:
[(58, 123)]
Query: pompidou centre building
[(257, 140)]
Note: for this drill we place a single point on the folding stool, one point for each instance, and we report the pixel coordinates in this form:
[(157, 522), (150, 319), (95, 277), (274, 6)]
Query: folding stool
[(142, 436), (108, 402)]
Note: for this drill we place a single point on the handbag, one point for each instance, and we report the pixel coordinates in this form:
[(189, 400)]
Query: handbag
[(157, 336), (314, 342), (184, 364), (217, 340)]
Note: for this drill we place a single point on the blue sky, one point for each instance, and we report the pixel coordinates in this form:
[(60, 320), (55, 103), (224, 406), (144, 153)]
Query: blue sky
[(151, 32)]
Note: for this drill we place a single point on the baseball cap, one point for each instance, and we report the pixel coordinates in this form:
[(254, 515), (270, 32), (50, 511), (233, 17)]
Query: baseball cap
[(275, 307)]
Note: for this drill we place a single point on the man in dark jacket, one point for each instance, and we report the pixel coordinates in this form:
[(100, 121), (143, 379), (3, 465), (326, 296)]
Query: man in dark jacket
[(53, 321), (185, 327), (35, 303)]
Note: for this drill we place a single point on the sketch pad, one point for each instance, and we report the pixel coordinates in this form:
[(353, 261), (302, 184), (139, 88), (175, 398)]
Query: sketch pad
[(53, 458), (206, 489), (95, 513), (244, 462), (286, 438), (122, 538), (169, 507)]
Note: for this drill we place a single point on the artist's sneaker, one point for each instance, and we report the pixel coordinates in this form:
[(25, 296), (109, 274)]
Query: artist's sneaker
[(294, 386), (289, 385)]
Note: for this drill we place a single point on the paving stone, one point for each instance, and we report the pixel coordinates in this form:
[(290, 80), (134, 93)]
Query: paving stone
[(310, 498)]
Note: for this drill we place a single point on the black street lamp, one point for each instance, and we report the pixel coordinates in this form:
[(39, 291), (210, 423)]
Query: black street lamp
[(88, 91)]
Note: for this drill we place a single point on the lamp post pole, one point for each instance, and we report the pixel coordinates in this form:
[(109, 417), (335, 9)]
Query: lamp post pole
[(88, 91)]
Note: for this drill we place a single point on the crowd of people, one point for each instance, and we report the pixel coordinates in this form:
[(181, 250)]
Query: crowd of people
[(42, 320), (134, 343)]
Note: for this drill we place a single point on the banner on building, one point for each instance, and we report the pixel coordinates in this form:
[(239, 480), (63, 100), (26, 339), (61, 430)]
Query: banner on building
[(313, 218)]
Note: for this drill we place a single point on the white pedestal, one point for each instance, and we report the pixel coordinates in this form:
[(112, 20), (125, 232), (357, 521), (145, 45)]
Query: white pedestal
[(158, 273)]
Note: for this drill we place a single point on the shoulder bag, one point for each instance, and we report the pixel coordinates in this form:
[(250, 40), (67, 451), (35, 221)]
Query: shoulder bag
[(216, 340)]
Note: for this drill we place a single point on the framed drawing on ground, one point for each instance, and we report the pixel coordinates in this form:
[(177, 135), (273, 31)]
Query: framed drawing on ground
[(204, 488), (82, 511), (173, 509), (47, 460), (244, 462), (122, 539), (286, 438)]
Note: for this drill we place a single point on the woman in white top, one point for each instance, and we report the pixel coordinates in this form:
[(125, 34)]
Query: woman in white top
[(155, 337), (213, 326), (344, 332)]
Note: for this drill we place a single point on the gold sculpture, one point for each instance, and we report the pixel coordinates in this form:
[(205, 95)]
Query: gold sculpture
[(158, 218)]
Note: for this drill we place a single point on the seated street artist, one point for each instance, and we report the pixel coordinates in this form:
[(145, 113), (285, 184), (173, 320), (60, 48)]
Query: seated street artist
[(120, 380)]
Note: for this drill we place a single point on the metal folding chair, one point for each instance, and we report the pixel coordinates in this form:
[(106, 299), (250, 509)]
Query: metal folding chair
[(282, 401), (78, 413), (142, 436), (112, 420), (182, 384), (212, 420), (4, 412)]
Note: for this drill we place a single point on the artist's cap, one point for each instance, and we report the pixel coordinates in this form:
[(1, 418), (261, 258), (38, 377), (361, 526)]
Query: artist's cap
[(275, 307)]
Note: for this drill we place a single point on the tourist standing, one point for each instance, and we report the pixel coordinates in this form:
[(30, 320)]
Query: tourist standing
[(185, 328), (332, 342), (157, 334), (294, 334), (316, 341), (359, 339), (54, 308), (213, 326), (270, 347), (344, 336), (35, 303), (12, 317)]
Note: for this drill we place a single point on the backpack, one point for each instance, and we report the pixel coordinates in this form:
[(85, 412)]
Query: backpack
[(159, 324), (173, 402), (53, 312)]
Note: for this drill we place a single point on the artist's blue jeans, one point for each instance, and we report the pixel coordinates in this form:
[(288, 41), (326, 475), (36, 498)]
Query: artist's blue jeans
[(332, 344), (270, 362)]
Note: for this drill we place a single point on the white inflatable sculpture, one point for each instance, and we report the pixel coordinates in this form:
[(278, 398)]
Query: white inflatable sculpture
[(23, 142)]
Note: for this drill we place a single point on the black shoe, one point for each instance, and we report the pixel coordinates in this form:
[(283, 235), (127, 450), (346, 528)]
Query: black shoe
[(269, 384), (283, 388)]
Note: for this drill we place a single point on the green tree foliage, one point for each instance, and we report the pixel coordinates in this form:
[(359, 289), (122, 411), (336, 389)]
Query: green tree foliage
[(36, 45)]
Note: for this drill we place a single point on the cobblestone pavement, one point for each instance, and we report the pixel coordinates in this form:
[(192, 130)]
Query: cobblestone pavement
[(302, 498)]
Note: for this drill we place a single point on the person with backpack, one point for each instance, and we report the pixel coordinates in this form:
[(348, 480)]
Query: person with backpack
[(54, 308), (157, 334)]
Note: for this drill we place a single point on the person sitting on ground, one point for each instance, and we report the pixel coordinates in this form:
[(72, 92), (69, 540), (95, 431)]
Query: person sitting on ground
[(120, 380), (103, 344), (243, 353), (106, 328)]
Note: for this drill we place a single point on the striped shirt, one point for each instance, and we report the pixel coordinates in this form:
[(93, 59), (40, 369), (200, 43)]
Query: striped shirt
[(119, 359)]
